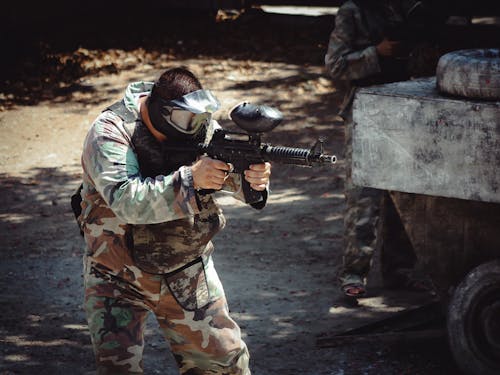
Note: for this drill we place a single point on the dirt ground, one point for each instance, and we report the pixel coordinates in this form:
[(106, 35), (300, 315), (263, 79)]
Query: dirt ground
[(278, 265)]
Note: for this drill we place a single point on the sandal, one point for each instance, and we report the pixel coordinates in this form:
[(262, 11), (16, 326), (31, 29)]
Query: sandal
[(354, 290), (353, 286)]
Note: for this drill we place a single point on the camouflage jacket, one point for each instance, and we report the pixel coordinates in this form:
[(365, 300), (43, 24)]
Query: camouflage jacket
[(131, 216), (351, 59)]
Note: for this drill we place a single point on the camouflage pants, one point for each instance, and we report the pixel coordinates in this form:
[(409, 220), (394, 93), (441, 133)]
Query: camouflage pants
[(204, 340), (370, 222), (361, 219)]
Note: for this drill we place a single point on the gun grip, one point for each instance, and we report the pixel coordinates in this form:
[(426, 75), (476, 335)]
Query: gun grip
[(251, 195)]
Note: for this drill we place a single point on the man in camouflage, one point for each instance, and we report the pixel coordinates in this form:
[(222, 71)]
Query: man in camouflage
[(365, 49), (148, 221)]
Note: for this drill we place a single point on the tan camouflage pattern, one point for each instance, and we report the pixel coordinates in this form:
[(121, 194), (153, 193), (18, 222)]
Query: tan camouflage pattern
[(165, 247), (204, 340), (148, 248)]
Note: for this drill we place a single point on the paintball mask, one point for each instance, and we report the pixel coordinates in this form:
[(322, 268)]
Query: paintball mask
[(183, 118)]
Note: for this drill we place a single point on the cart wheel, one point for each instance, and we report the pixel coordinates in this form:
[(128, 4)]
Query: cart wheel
[(474, 321)]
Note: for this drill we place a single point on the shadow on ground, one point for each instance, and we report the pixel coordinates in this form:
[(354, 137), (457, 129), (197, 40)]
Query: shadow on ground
[(280, 291), (279, 266)]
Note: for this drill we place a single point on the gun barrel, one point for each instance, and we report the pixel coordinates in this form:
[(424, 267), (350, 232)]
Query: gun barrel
[(296, 156), (332, 159)]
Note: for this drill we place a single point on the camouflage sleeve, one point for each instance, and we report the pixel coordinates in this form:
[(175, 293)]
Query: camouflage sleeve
[(343, 59), (110, 162)]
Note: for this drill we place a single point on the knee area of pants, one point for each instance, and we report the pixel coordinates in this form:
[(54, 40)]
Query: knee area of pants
[(231, 363)]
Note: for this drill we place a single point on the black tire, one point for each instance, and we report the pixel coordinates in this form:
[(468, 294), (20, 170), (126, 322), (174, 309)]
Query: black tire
[(474, 321), (473, 73)]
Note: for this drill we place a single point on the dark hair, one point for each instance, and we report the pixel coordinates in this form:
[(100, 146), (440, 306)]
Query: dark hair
[(174, 83)]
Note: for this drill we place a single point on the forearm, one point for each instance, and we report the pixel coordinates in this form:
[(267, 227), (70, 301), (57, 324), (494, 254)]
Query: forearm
[(350, 56), (345, 64)]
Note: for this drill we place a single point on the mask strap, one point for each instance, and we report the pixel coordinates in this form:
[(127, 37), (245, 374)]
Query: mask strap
[(158, 114)]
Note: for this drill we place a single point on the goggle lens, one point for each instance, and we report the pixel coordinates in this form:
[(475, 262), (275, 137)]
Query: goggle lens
[(187, 121), (181, 118)]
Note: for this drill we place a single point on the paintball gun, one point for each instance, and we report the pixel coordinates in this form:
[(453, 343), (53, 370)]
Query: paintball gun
[(242, 149)]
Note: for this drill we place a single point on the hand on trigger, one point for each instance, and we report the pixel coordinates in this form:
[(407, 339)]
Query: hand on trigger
[(209, 173)]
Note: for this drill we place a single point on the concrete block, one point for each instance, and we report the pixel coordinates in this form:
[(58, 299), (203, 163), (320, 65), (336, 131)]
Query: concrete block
[(409, 138)]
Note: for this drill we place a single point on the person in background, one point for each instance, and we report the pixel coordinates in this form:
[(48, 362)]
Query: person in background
[(375, 42)]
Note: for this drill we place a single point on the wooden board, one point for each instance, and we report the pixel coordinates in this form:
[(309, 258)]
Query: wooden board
[(408, 138), (450, 236)]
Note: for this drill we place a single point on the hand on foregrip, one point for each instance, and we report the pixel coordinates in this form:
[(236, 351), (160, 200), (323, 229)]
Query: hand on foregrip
[(258, 175), (209, 173)]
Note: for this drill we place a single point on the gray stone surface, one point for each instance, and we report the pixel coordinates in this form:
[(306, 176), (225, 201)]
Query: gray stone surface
[(409, 138)]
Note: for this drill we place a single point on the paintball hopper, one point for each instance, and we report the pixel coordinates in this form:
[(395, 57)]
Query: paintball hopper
[(255, 118)]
